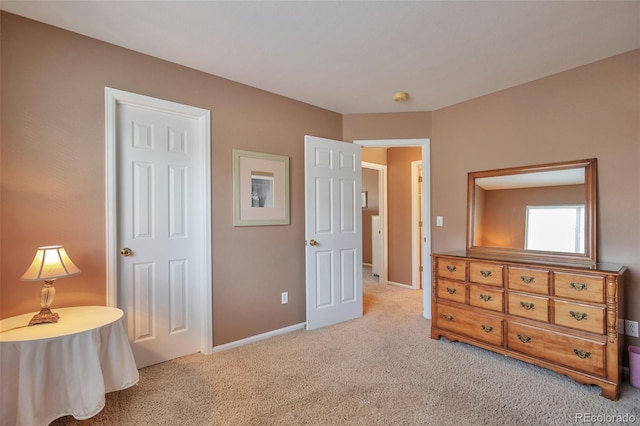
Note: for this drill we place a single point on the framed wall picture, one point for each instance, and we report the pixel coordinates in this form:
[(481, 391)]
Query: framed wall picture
[(260, 189)]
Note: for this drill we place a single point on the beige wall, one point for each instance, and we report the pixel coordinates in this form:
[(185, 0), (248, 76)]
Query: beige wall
[(374, 155), (588, 112), (408, 125), (52, 163), (53, 173), (399, 208)]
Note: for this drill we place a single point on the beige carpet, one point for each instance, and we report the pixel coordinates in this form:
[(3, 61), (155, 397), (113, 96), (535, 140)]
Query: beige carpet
[(382, 369)]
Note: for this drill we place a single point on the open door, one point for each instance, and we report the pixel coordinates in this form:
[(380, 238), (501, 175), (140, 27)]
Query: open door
[(333, 231)]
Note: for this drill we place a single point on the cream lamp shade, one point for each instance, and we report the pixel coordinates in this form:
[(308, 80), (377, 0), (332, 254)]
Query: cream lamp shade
[(49, 263)]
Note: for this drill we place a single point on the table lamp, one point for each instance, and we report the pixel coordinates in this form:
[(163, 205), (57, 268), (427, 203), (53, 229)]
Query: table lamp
[(50, 262)]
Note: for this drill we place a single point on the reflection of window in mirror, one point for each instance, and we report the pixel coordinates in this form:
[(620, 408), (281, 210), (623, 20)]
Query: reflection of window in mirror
[(555, 228)]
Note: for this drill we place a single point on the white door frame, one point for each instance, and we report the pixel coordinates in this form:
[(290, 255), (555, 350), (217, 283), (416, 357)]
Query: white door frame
[(415, 226), (382, 212), (113, 97), (424, 144)]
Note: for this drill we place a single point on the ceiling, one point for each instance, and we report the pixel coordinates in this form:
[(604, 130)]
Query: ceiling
[(352, 56)]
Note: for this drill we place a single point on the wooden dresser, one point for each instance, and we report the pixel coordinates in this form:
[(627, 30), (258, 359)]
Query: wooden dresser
[(557, 316)]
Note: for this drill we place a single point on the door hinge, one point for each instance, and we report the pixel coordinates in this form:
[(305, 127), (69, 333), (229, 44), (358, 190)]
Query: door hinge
[(419, 178), (421, 269), (420, 224)]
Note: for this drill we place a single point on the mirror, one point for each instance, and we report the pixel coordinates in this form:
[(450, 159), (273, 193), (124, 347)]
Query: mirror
[(542, 212)]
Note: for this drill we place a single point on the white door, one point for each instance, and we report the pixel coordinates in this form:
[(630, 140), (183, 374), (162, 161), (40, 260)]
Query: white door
[(333, 231), (376, 246), (159, 199)]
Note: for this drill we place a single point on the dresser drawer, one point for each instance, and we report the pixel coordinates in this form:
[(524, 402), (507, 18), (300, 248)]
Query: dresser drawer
[(486, 298), (452, 269), (479, 327), (527, 306), (582, 317), (530, 280), (452, 290), (571, 351), (579, 287), (485, 273)]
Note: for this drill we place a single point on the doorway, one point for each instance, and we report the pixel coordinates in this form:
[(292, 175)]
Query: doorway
[(377, 224), (424, 247)]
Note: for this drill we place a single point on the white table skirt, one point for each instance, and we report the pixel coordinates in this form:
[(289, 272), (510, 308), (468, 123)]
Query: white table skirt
[(53, 370)]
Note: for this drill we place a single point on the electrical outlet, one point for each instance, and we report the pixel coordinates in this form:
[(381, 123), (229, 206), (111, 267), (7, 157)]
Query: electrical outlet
[(631, 328), (284, 297)]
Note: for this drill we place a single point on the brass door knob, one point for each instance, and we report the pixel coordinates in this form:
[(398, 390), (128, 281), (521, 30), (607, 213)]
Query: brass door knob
[(126, 252), (314, 243)]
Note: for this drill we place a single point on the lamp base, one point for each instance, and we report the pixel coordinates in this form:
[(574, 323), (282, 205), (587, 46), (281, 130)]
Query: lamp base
[(44, 316)]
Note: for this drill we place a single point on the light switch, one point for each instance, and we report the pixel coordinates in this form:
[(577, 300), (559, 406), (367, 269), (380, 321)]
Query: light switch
[(439, 220)]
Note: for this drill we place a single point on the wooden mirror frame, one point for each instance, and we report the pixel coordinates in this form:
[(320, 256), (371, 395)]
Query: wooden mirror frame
[(586, 258)]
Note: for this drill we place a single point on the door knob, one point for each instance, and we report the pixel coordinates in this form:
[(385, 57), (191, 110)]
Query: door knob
[(314, 243), (126, 252)]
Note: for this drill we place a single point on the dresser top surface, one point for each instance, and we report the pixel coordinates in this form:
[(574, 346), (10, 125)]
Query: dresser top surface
[(599, 266)]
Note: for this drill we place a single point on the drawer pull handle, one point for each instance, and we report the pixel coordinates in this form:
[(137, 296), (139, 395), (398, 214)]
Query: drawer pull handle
[(527, 305), (523, 338), (527, 280), (487, 328), (486, 297), (447, 317), (582, 354), (451, 268), (485, 274), (578, 286), (579, 316), (451, 290)]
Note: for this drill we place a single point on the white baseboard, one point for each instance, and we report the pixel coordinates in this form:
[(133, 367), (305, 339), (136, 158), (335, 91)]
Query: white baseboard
[(258, 337), (399, 284)]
